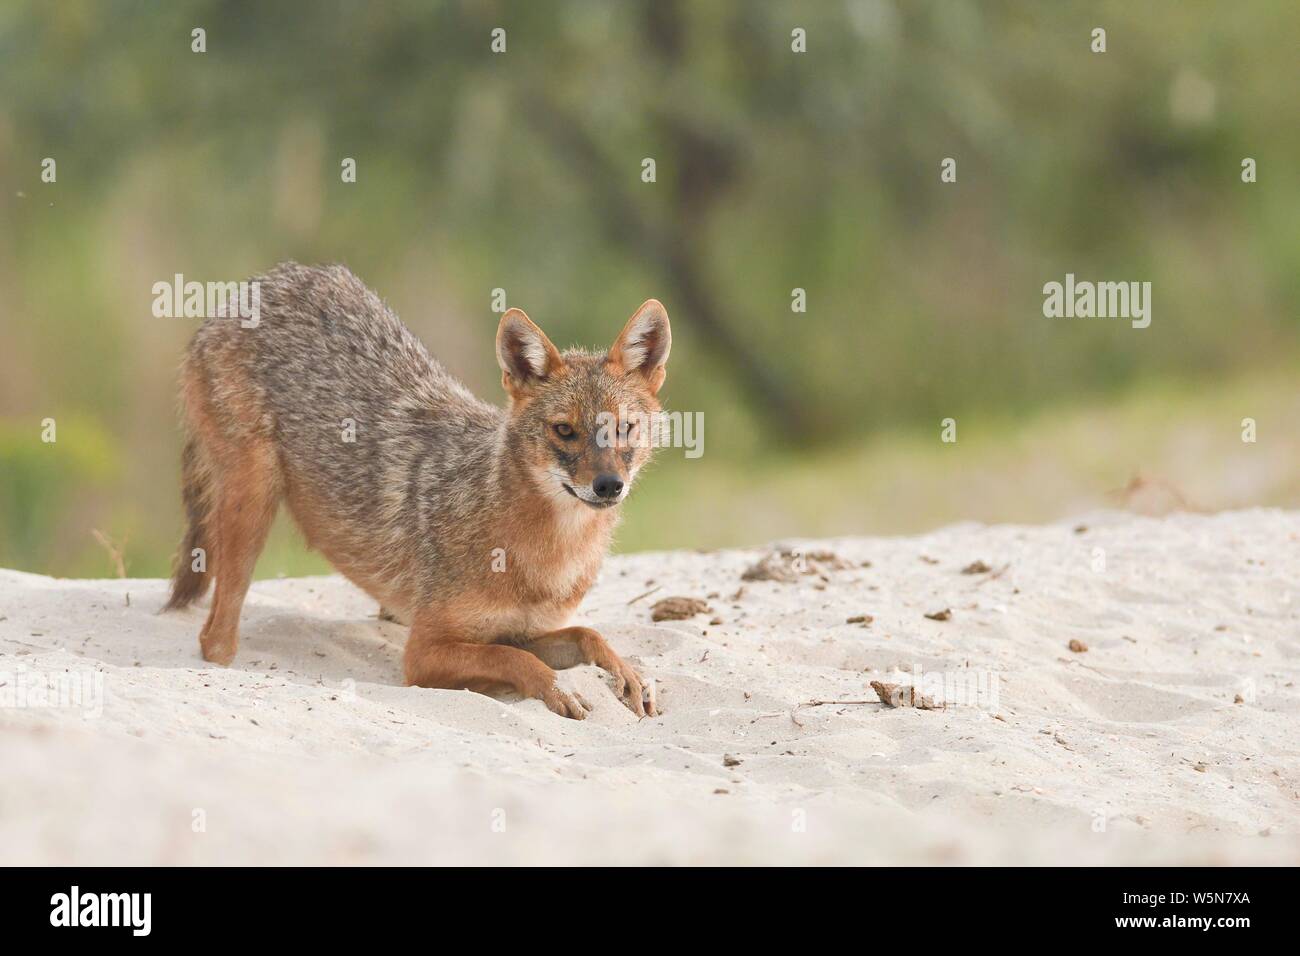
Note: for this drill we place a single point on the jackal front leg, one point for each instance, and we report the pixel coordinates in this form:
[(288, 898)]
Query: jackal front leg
[(433, 660), (571, 646)]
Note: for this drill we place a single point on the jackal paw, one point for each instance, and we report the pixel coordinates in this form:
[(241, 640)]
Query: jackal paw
[(636, 693), (217, 650), (573, 706)]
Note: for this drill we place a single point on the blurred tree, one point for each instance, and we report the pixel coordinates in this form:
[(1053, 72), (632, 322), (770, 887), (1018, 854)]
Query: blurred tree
[(776, 169)]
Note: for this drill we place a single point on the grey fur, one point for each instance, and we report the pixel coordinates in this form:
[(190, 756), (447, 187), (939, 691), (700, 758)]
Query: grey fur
[(412, 497)]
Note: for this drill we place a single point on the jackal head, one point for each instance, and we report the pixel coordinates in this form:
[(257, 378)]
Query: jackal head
[(583, 423)]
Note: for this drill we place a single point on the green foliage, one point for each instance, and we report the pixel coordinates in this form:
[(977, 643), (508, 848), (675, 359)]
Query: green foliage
[(43, 486), (521, 171)]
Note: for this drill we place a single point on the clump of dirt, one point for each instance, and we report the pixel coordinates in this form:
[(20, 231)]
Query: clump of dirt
[(899, 695), (787, 564), (863, 619), (976, 567), (1077, 645), (770, 568), (944, 615), (677, 609)]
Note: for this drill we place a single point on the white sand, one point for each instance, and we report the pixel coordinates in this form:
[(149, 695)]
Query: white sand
[(307, 751)]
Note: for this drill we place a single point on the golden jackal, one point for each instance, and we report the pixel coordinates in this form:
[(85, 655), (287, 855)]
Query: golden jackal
[(480, 527)]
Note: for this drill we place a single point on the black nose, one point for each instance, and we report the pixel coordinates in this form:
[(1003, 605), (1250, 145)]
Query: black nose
[(607, 486)]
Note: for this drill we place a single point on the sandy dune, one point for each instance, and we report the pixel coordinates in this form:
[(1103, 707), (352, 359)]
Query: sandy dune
[(1173, 738)]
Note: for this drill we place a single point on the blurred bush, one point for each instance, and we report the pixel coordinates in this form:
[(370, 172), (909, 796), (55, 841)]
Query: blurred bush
[(775, 171), (48, 485)]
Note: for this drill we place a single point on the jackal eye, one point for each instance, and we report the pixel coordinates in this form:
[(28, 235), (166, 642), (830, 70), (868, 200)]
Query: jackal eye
[(564, 430)]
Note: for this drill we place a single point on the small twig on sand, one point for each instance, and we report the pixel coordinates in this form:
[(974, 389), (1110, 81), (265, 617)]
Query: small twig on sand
[(114, 551), (819, 703), (35, 647), (657, 587), (1079, 663), (1140, 482), (993, 576)]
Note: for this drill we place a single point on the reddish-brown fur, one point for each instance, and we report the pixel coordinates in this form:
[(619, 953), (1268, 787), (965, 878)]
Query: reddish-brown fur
[(453, 484)]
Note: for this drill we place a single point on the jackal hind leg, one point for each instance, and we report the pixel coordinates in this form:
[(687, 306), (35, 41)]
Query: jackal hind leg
[(247, 494)]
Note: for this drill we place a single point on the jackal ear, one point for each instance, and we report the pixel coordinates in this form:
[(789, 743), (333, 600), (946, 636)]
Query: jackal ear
[(525, 354), (644, 344)]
